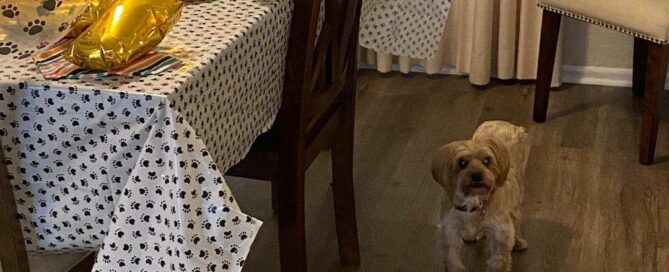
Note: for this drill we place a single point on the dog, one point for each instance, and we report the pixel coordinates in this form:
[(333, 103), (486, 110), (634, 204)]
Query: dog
[(482, 180)]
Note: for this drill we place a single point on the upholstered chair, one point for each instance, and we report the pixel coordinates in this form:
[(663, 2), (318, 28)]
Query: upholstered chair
[(646, 20)]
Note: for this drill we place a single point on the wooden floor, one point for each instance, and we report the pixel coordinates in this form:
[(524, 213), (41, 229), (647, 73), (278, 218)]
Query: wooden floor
[(589, 205)]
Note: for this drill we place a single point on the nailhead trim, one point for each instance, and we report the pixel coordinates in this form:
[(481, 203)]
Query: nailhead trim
[(604, 24)]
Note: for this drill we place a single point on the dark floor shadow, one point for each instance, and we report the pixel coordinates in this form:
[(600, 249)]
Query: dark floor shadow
[(388, 74), (662, 159), (574, 106), (549, 242), (577, 108)]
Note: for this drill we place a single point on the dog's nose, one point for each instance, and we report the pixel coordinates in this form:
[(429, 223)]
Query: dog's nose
[(477, 177)]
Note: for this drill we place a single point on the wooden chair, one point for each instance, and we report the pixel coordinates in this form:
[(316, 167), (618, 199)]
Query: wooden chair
[(646, 20), (317, 112), (13, 256)]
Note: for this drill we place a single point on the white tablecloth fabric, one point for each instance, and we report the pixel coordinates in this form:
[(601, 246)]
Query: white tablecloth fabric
[(133, 165), (411, 28)]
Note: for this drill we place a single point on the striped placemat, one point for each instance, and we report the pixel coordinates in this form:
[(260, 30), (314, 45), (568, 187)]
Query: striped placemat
[(52, 65)]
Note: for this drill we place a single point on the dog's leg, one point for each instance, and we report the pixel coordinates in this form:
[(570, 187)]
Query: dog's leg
[(471, 230), (500, 236), (451, 244), (453, 256), (519, 244)]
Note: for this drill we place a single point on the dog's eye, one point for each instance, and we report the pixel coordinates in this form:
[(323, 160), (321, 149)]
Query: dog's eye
[(462, 163), (487, 161)]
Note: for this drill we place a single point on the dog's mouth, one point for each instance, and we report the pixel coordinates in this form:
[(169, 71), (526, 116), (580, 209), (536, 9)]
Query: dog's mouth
[(481, 190)]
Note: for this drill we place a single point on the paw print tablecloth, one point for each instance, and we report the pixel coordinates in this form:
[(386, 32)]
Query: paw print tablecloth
[(133, 165), (411, 28)]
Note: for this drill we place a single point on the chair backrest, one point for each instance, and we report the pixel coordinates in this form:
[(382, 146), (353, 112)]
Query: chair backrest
[(321, 63)]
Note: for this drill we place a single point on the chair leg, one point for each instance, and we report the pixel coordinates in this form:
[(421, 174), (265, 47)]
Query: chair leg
[(13, 256), (275, 196), (656, 73), (550, 30), (639, 69), (342, 174), (292, 238)]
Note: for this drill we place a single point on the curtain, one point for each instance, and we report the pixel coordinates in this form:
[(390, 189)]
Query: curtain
[(482, 39)]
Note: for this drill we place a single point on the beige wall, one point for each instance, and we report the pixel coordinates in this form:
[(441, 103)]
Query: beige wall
[(591, 45)]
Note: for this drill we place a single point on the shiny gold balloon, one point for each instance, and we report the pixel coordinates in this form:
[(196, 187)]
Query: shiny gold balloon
[(30, 26), (128, 30), (95, 10)]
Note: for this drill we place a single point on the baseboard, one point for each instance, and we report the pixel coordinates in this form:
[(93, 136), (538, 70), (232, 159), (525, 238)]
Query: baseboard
[(590, 75)]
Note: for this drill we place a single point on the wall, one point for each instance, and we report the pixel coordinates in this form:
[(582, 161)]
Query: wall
[(591, 45), (596, 55)]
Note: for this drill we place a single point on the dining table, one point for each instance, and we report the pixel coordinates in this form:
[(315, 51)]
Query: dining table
[(131, 166)]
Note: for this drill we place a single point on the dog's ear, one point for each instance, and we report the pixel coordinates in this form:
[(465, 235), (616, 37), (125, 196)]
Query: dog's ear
[(502, 164), (444, 167)]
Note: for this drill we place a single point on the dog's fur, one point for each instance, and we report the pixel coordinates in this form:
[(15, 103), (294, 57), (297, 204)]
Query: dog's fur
[(498, 152)]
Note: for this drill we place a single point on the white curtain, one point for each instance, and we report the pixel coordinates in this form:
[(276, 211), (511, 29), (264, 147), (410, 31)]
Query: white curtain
[(483, 39)]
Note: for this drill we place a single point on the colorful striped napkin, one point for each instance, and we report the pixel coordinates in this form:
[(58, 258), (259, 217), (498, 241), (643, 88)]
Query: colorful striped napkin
[(52, 65)]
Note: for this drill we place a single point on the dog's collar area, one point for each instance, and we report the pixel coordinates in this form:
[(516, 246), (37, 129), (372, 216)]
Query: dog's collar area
[(463, 208), (476, 208)]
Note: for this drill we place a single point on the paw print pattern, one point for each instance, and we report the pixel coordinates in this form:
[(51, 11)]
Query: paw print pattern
[(200, 179), (186, 208), (106, 259), (7, 48), (34, 27), (9, 11), (203, 254), (234, 249), (63, 27), (51, 5), (76, 148), (24, 54), (42, 45), (225, 265)]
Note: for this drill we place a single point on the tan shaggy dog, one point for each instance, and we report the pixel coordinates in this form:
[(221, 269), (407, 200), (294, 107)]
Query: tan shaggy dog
[(483, 184)]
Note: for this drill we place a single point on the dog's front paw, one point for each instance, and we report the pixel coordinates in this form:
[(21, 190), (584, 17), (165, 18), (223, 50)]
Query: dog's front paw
[(453, 263), (455, 268), (520, 244), (499, 264), (472, 238), (471, 234)]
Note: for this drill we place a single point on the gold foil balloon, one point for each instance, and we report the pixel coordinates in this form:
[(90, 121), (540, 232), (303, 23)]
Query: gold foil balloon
[(95, 10), (29, 26), (129, 29)]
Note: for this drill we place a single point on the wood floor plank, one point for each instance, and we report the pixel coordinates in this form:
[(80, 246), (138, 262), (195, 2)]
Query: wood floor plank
[(589, 205)]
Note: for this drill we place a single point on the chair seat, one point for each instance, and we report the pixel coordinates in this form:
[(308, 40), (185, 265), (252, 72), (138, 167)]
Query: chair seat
[(646, 19)]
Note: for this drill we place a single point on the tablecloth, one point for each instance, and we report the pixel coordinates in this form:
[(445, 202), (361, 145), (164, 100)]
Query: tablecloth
[(133, 165), (411, 28)]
